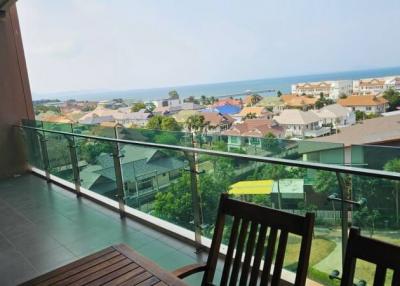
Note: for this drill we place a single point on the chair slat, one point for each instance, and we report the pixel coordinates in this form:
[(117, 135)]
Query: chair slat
[(269, 255), (229, 254), (251, 241), (280, 256), (239, 250), (255, 271), (396, 278), (380, 275)]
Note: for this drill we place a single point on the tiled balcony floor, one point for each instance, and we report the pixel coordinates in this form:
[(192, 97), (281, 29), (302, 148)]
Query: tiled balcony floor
[(43, 227)]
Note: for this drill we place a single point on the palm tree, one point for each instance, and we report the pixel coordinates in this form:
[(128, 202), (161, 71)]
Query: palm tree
[(394, 166), (195, 123)]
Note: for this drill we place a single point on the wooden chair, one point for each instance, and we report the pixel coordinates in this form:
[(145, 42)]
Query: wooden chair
[(384, 255), (252, 243)]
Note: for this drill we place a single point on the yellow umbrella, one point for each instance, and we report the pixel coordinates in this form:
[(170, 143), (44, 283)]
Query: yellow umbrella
[(261, 187)]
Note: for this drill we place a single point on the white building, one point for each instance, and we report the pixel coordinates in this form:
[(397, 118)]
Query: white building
[(370, 104), (300, 124), (376, 85), (335, 115), (167, 102), (333, 88)]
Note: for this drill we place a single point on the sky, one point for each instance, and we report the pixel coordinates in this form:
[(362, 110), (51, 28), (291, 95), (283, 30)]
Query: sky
[(77, 45)]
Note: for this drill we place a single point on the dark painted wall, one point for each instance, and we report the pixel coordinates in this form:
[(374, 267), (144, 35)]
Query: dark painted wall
[(15, 94)]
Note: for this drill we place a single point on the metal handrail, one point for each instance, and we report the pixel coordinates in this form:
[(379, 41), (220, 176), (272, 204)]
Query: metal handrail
[(272, 160)]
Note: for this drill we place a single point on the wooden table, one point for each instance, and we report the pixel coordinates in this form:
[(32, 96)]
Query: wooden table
[(115, 265)]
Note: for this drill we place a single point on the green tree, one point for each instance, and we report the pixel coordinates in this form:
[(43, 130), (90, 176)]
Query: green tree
[(394, 166), (89, 151), (173, 94), (279, 93), (393, 97), (276, 173), (326, 182), (366, 217), (138, 106), (150, 106), (270, 143), (166, 138), (255, 98), (159, 122), (155, 122), (195, 123), (169, 124)]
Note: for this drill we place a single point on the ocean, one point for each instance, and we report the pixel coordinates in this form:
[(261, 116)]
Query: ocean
[(219, 89)]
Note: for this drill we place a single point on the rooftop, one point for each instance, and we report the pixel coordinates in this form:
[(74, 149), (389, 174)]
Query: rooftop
[(362, 100), (295, 116), (254, 128), (376, 130)]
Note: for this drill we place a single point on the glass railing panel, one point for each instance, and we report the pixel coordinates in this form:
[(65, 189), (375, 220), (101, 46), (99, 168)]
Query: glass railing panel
[(97, 168), (376, 157), (33, 143), (376, 212), (59, 156), (158, 182), (280, 187)]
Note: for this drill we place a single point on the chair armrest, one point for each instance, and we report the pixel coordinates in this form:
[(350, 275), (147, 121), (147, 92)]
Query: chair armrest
[(189, 270)]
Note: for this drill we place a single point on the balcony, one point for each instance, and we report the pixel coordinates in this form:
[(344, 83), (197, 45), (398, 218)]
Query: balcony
[(103, 167)]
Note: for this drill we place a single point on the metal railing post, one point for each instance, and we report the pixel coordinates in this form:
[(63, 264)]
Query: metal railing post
[(74, 163), (119, 176), (45, 155), (344, 212), (196, 199)]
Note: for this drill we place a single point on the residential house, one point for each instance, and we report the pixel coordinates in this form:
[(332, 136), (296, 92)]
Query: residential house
[(146, 171), (251, 132), (96, 119), (373, 86), (360, 142), (257, 111), (370, 104), (139, 118), (300, 124), (182, 116), (298, 101), (228, 109), (216, 122), (228, 101), (333, 88), (272, 103), (167, 102), (336, 115), (169, 110)]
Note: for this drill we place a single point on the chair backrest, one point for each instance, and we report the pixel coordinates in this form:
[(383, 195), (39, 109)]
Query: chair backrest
[(248, 239), (384, 255)]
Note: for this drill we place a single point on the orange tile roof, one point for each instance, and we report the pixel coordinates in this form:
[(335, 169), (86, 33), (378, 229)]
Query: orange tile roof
[(372, 82), (216, 118), (362, 100), (297, 100), (228, 101), (255, 128)]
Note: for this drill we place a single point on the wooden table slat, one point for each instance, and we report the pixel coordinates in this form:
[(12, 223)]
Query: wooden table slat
[(81, 267), (125, 277), (113, 275), (137, 279), (116, 265), (70, 266), (149, 282), (90, 270), (105, 271)]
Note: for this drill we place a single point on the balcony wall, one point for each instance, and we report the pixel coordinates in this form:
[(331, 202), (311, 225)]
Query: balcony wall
[(15, 94)]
